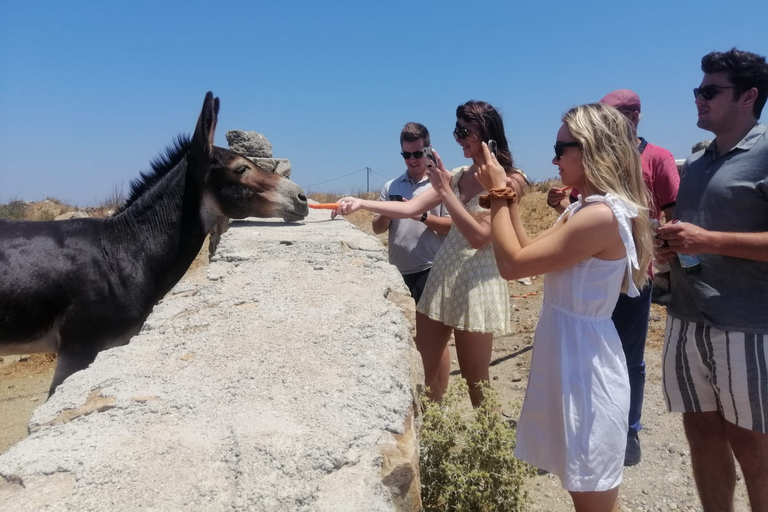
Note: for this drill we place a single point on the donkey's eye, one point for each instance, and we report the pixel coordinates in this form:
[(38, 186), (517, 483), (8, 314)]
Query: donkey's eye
[(241, 170)]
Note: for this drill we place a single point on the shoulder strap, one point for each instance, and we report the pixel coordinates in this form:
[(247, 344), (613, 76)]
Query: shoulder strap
[(624, 213)]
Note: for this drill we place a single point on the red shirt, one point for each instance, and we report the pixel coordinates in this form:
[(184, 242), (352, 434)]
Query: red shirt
[(661, 179), (660, 176)]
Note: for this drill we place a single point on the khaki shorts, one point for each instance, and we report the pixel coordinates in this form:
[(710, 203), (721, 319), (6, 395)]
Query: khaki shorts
[(706, 370)]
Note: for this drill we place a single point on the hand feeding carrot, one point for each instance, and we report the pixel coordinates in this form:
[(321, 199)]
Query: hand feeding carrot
[(324, 206)]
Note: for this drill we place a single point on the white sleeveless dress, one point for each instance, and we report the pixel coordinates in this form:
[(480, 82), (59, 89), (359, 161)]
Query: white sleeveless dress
[(574, 418)]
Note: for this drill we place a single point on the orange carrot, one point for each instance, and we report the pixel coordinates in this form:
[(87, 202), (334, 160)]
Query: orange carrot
[(324, 206)]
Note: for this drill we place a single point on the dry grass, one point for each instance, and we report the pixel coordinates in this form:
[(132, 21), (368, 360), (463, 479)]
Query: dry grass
[(537, 215), (47, 210), (34, 363)]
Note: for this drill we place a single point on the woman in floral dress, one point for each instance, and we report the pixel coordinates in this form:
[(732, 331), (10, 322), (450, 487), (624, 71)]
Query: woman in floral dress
[(464, 294)]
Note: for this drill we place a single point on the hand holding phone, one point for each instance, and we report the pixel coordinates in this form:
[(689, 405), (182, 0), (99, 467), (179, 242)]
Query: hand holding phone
[(430, 156)]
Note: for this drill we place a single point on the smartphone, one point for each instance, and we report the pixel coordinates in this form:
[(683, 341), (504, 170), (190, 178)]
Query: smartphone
[(395, 197), (429, 154), (492, 146)]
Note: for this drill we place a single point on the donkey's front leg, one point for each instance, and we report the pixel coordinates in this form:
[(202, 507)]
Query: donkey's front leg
[(69, 362)]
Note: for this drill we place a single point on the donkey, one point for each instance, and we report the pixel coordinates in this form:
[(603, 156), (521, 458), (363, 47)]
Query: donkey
[(81, 286)]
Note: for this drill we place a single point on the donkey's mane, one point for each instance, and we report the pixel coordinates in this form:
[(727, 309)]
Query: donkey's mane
[(161, 166)]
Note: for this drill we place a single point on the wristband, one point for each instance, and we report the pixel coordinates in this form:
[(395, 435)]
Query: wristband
[(424, 217), (497, 193), (552, 205)]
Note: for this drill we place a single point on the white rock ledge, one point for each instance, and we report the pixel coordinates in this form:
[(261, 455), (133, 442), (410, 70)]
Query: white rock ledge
[(284, 380)]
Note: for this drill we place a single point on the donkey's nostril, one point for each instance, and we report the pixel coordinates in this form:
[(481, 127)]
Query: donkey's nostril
[(302, 197)]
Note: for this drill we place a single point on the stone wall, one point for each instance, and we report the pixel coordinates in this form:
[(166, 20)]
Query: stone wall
[(281, 377)]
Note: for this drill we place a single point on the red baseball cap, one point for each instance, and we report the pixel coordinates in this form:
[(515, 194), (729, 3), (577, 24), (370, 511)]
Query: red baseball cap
[(622, 99)]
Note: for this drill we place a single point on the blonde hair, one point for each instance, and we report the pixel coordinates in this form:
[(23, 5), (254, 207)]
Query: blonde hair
[(612, 165)]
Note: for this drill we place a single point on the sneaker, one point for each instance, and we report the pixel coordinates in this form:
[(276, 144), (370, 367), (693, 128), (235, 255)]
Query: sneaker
[(633, 454)]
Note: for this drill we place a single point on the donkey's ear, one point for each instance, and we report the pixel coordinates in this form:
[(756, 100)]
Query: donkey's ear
[(202, 140)]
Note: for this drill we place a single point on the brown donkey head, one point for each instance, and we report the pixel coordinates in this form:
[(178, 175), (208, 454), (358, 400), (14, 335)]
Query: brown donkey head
[(232, 185)]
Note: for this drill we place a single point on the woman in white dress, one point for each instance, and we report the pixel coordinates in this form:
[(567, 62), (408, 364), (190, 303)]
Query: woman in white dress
[(573, 421), (464, 294)]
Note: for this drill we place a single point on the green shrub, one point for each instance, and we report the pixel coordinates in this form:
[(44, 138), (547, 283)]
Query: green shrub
[(466, 456), (14, 210)]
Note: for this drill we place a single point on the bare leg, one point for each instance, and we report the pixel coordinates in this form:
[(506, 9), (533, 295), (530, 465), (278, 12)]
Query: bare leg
[(712, 460), (596, 501), (751, 450), (432, 342), (473, 350), (444, 373)]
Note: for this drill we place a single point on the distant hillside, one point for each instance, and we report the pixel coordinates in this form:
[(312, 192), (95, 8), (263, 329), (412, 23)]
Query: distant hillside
[(50, 209)]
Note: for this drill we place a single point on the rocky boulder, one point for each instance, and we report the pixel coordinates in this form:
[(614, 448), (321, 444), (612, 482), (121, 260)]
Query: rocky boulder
[(258, 149), (72, 215), (281, 166), (250, 144)]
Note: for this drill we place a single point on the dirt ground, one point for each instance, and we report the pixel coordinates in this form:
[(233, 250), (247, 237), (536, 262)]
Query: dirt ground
[(661, 482), (23, 386)]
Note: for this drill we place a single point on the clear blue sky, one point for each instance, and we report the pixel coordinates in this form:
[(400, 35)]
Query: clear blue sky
[(91, 91)]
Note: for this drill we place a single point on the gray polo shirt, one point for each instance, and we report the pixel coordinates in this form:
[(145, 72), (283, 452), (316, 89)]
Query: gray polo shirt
[(412, 245), (727, 194)]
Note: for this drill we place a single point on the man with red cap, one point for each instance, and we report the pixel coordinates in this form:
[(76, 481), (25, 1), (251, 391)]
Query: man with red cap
[(630, 317)]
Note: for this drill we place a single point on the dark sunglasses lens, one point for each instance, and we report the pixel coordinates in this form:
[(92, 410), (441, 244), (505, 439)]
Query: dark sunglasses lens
[(560, 148), (415, 154), (460, 132), (707, 92), (703, 92)]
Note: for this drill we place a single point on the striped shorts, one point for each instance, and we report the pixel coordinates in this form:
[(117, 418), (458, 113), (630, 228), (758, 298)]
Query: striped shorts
[(706, 369)]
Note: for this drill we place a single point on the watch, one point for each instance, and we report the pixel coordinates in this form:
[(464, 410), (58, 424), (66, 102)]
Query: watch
[(424, 216)]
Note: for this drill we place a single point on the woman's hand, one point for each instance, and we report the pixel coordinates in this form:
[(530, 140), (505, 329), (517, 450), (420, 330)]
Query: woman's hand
[(556, 195), (489, 172), (348, 205), (439, 176)]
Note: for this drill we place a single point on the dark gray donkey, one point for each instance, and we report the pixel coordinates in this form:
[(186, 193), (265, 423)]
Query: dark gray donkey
[(80, 286)]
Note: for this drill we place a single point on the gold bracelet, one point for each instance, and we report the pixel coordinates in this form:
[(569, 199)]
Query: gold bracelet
[(497, 193)]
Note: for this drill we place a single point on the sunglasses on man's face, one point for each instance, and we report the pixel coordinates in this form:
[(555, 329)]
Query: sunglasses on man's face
[(460, 132), (560, 148), (708, 91), (415, 154)]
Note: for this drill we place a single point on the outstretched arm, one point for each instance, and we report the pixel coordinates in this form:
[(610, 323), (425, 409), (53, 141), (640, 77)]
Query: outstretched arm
[(392, 209)]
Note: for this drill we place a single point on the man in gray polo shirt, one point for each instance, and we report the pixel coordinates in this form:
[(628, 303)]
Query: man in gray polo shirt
[(716, 344), (413, 243)]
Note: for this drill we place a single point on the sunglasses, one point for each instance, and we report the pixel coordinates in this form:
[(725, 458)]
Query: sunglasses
[(415, 154), (708, 91), (460, 132), (560, 148)]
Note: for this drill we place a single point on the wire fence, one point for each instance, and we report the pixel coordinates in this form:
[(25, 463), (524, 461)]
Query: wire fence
[(361, 180)]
